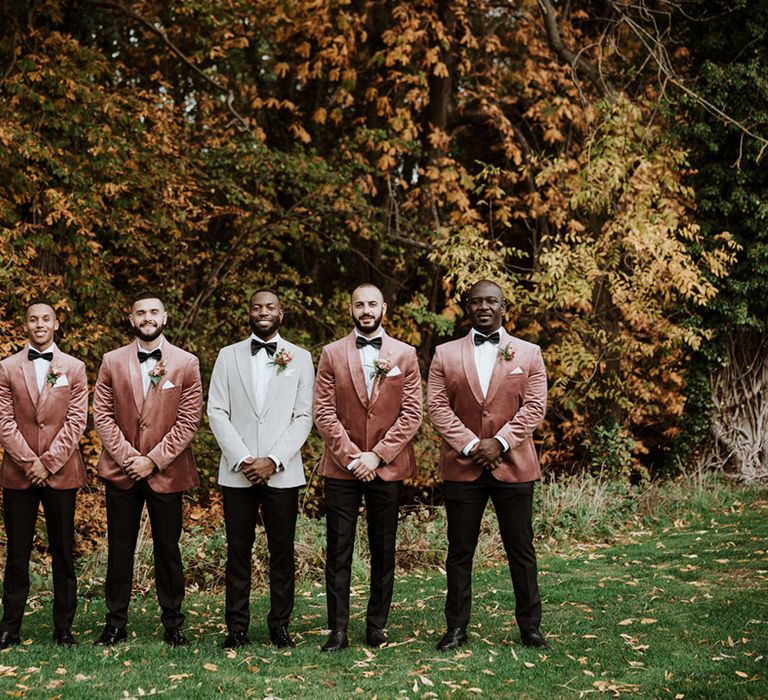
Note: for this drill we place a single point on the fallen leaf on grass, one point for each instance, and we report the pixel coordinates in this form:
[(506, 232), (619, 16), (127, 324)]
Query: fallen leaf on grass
[(176, 677), (648, 621), (741, 674), (54, 684), (426, 681), (211, 667), (7, 671), (626, 622)]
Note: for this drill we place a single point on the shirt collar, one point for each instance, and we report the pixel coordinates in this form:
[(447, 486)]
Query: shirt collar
[(380, 334)]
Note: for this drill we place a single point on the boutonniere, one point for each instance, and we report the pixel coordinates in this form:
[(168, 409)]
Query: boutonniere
[(157, 372), (381, 368), (282, 359), (507, 353), (54, 373)]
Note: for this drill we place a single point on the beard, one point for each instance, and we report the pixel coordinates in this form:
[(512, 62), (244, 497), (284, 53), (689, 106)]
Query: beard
[(264, 333), (376, 320), (150, 334)]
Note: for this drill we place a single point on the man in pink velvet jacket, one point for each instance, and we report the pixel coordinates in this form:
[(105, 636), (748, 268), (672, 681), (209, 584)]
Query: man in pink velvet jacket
[(367, 407), (146, 408), (43, 413), (486, 394)]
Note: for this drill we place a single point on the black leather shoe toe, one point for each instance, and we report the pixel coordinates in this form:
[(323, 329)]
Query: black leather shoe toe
[(533, 638), (375, 637), (280, 638), (453, 639), (9, 639), (110, 636), (175, 637), (337, 640), (235, 639)]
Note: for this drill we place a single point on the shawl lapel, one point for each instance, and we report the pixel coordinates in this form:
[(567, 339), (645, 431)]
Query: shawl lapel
[(30, 379), (470, 368), (356, 370), (245, 370)]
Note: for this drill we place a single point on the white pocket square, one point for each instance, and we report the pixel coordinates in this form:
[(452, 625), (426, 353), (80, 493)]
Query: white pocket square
[(394, 371), (516, 370), (168, 384), (61, 380)]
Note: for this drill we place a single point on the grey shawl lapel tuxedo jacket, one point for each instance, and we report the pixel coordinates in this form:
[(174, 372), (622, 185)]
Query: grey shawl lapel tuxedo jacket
[(282, 426)]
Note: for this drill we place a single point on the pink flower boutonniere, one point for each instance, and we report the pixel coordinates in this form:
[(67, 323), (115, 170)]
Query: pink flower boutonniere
[(381, 368), (157, 372), (53, 374), (281, 360), (507, 353)]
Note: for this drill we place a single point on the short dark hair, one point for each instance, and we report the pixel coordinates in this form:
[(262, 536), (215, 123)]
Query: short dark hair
[(268, 290), (148, 294), (40, 300)]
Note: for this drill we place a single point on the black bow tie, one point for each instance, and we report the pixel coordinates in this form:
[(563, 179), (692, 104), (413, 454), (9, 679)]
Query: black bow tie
[(361, 342), (492, 338), (144, 356), (35, 355), (257, 345)]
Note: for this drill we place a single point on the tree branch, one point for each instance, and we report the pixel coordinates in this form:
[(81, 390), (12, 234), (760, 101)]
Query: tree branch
[(163, 36)]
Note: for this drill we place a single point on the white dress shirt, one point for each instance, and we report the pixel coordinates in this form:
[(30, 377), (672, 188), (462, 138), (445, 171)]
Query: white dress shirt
[(147, 366), (262, 372), (486, 356), (368, 357), (42, 366)]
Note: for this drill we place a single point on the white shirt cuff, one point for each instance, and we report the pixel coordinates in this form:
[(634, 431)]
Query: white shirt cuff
[(504, 443), (468, 447), (239, 464), (278, 464)]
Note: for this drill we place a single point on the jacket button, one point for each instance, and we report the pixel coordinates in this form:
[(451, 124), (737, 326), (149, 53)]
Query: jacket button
[(485, 413)]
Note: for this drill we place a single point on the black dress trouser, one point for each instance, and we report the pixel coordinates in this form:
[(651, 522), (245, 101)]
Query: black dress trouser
[(20, 507), (465, 502)]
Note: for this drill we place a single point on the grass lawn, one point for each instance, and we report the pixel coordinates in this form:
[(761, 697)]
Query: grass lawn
[(679, 610)]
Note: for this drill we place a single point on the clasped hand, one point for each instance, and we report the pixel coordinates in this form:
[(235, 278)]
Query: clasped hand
[(364, 466), (258, 469), (38, 475), (138, 467), (486, 453)]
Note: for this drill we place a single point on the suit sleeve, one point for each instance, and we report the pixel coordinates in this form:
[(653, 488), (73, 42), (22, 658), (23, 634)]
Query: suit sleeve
[(531, 413), (66, 440), (112, 438), (12, 440), (188, 414), (443, 417), (411, 413), (297, 432), (326, 417), (219, 414)]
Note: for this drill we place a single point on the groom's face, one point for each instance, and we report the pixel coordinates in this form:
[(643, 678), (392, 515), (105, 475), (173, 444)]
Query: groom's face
[(265, 315), (41, 325)]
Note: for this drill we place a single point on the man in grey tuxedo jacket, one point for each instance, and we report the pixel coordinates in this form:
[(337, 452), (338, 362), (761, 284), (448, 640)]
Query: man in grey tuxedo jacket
[(260, 411)]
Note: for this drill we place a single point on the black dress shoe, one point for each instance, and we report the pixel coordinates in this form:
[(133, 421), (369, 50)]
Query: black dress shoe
[(110, 636), (175, 637), (453, 639), (63, 637), (235, 639), (9, 639), (533, 638), (375, 637), (280, 638), (337, 640)]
